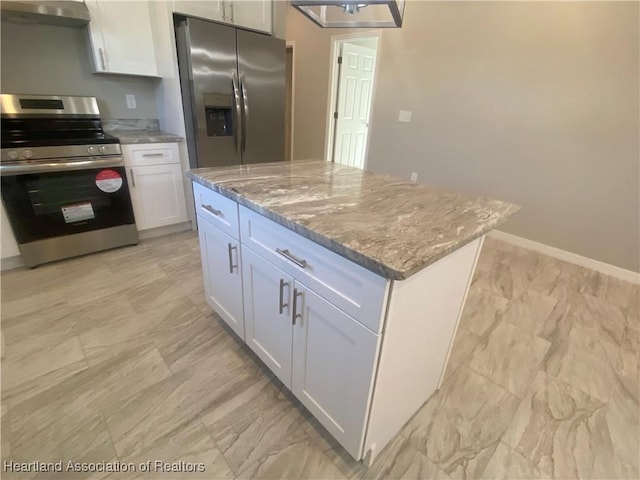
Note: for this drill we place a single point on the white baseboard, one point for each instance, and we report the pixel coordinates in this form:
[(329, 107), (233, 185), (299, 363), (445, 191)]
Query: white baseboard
[(606, 268), (9, 263), (160, 231)]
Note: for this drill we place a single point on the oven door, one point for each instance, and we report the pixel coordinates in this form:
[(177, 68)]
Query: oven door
[(46, 200)]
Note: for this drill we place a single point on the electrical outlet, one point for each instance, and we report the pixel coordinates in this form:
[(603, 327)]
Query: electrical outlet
[(414, 176), (131, 101), (404, 116)]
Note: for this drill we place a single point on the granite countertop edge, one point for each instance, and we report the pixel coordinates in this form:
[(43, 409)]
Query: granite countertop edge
[(375, 265)]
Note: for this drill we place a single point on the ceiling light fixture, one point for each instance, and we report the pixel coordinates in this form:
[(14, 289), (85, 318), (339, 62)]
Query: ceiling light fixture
[(352, 14)]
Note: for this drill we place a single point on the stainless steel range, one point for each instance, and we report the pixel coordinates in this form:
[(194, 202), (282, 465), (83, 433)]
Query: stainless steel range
[(63, 180)]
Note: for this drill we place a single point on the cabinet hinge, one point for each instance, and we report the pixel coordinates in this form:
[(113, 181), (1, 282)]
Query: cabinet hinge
[(340, 60), (335, 115)]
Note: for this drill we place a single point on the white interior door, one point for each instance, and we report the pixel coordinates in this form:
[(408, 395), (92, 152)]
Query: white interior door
[(355, 86)]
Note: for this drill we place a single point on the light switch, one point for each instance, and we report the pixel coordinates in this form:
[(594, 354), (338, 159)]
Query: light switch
[(404, 116), (131, 101)]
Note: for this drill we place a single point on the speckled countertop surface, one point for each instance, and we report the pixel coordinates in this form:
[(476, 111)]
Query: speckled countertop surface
[(386, 224), (144, 136)]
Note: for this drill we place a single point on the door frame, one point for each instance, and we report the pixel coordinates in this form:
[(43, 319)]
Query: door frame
[(292, 45), (332, 98)]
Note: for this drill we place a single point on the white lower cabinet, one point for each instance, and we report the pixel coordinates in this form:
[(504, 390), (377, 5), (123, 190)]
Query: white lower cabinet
[(154, 174), (334, 358), (320, 353), (267, 313), (221, 267)]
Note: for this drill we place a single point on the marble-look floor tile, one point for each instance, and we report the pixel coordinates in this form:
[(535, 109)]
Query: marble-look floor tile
[(186, 452), (30, 388), (458, 429), (622, 419), (585, 362), (153, 295), (506, 464), (610, 289), (402, 459), (560, 280), (256, 424), (553, 426), (482, 310), (464, 343), (530, 311), (510, 358), (5, 426), (627, 365), (598, 317), (57, 412), (294, 460), (22, 365), (156, 411), (184, 346), (85, 438)]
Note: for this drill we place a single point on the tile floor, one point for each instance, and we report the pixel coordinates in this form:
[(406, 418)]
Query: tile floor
[(115, 357)]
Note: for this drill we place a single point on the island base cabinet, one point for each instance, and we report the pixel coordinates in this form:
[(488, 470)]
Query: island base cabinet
[(267, 309), (222, 274), (334, 359)]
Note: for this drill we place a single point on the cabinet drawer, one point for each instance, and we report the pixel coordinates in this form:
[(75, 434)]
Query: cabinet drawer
[(217, 209), (352, 288), (150, 154)]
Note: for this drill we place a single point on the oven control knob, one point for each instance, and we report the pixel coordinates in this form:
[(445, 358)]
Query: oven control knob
[(102, 149), (13, 155), (91, 150), (28, 153)]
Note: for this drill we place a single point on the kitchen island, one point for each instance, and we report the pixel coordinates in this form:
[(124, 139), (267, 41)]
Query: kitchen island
[(347, 284)]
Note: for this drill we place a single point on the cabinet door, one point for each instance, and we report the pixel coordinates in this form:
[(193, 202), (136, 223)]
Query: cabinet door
[(8, 245), (267, 306), (221, 267), (157, 195), (121, 37), (209, 9), (334, 359), (253, 14)]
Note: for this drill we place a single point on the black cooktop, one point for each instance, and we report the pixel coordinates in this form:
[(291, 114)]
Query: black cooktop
[(41, 132)]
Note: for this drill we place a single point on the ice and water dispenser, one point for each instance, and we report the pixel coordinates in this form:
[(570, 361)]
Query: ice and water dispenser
[(219, 114)]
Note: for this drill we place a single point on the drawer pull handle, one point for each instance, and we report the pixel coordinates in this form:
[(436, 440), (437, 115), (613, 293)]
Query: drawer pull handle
[(296, 315), (281, 302), (133, 178), (102, 61), (231, 265), (287, 254), (209, 208), (153, 154)]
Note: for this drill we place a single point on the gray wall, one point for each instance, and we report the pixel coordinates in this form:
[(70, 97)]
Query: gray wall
[(531, 102), (47, 59)]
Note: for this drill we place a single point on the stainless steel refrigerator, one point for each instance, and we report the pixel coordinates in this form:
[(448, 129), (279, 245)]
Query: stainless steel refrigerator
[(233, 93)]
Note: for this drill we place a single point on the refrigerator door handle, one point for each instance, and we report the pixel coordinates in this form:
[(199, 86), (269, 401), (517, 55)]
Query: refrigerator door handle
[(236, 111), (245, 108)]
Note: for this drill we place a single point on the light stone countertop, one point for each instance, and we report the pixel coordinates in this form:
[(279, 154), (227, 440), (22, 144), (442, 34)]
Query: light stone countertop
[(386, 224), (144, 136)]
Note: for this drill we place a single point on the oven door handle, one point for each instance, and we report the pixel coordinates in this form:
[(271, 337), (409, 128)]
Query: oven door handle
[(39, 166)]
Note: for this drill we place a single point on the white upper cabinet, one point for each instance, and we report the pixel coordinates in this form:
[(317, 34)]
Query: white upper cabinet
[(121, 37), (253, 14), (210, 10)]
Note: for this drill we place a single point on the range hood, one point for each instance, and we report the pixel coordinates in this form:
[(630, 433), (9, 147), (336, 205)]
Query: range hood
[(67, 13)]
